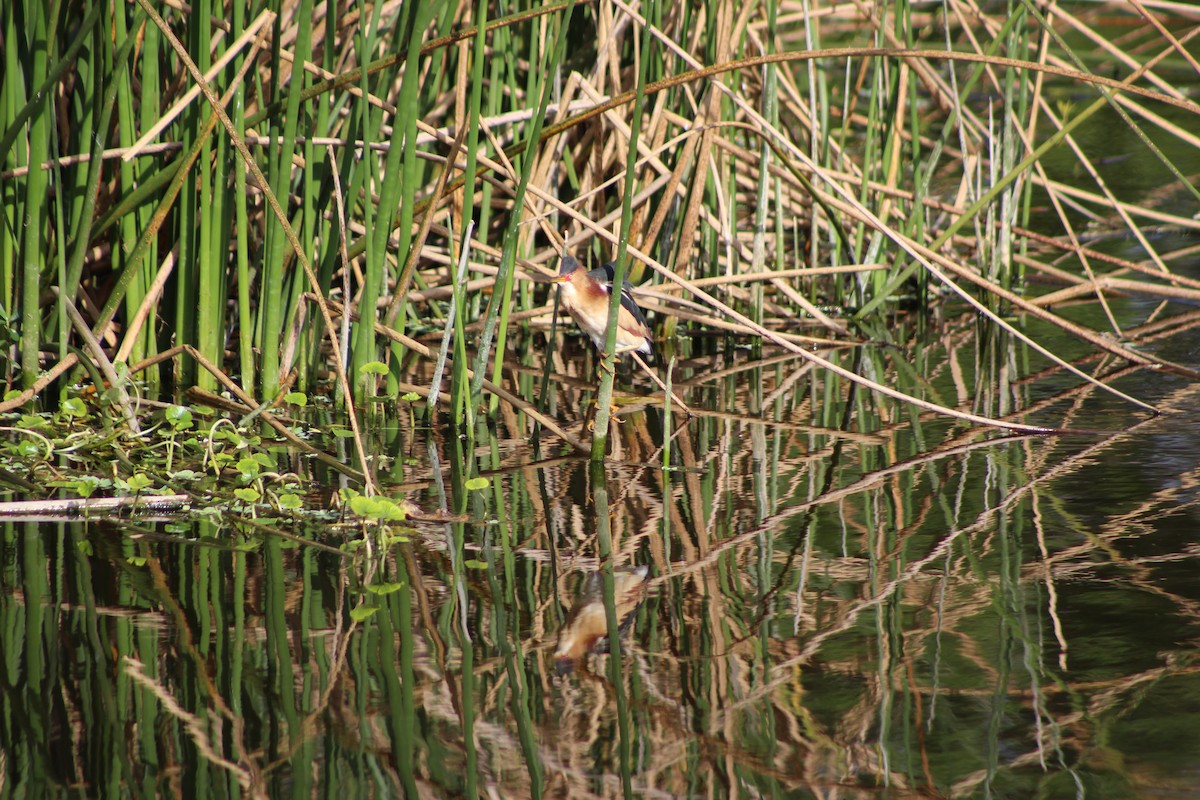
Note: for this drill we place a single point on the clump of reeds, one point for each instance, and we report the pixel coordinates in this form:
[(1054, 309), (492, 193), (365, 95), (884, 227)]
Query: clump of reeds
[(787, 172)]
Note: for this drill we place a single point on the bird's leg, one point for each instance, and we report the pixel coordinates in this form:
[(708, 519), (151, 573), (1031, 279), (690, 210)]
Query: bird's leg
[(613, 408)]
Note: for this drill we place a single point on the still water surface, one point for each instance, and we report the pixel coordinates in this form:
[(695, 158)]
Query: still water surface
[(828, 595)]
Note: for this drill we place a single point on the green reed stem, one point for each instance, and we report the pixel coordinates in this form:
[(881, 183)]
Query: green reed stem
[(209, 301), (454, 325), (604, 551), (130, 172), (36, 209), (499, 305), (241, 258), (275, 284), (607, 373), (399, 184)]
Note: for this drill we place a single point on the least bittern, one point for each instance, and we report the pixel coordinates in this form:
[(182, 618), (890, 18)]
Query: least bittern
[(586, 628), (586, 296)]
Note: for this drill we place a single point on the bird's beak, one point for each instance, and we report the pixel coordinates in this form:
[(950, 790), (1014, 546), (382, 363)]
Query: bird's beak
[(561, 278)]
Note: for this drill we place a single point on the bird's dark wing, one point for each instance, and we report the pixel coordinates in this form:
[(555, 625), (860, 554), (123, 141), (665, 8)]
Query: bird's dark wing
[(629, 305), (605, 275)]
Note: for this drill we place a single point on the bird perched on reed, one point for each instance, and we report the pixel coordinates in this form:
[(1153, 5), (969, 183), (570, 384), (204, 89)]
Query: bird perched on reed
[(585, 296)]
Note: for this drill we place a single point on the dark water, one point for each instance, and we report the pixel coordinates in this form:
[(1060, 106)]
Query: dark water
[(829, 595)]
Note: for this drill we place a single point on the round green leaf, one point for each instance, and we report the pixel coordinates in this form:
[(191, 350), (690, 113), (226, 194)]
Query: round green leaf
[(73, 407), (179, 417), (289, 500), (139, 481), (249, 467), (247, 495), (385, 588)]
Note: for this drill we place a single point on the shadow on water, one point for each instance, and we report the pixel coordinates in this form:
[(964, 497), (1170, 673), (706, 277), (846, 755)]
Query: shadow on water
[(805, 590)]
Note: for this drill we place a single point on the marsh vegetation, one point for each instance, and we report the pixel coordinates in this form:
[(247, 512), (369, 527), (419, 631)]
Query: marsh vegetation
[(914, 517)]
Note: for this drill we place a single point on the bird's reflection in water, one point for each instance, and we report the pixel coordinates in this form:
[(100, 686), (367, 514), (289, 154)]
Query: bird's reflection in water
[(586, 628)]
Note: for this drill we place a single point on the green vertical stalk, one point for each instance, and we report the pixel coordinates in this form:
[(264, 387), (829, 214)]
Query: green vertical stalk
[(327, 226), (60, 236), (128, 224), (245, 305), (399, 187), (364, 334), (269, 323), (667, 474), (210, 295), (605, 391), (275, 283), (71, 194), (478, 58), (185, 267), (12, 93), (149, 103), (314, 228), (762, 210), (36, 207), (494, 100), (604, 552), (460, 382), (500, 302), (1011, 144), (245, 314), (82, 232)]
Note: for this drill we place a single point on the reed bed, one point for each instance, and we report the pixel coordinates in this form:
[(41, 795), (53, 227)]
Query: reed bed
[(855, 226), (245, 180)]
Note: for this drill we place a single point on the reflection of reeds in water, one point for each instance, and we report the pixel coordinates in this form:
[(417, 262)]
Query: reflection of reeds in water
[(886, 626), (838, 572), (586, 628)]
